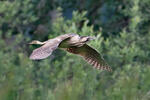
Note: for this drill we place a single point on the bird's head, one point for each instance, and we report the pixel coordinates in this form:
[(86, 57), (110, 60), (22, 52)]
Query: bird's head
[(36, 42)]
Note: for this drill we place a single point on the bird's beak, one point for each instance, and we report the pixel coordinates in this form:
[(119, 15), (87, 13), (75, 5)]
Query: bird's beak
[(30, 43)]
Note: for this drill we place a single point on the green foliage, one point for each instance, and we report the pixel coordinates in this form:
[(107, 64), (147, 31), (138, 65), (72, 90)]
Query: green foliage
[(123, 39)]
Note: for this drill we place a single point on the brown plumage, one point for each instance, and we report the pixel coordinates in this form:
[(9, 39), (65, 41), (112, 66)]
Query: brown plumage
[(72, 43)]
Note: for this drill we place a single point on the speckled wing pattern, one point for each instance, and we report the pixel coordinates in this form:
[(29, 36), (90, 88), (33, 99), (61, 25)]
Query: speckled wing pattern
[(46, 50), (93, 57)]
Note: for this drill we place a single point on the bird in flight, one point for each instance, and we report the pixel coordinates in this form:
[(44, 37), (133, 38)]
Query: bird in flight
[(74, 44)]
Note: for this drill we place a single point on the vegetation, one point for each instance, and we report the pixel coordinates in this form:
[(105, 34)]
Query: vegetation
[(121, 28)]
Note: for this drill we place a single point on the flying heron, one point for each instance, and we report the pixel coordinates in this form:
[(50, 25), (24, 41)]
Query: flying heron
[(72, 43)]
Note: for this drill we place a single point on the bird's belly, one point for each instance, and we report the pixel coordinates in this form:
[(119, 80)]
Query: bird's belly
[(73, 50)]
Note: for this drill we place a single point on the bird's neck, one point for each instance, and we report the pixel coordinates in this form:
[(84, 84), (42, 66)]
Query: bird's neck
[(40, 43)]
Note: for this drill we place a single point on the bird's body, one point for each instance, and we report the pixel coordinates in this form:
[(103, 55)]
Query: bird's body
[(72, 43)]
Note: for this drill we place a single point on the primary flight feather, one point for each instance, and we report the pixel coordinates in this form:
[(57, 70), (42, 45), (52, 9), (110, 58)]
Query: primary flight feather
[(72, 43)]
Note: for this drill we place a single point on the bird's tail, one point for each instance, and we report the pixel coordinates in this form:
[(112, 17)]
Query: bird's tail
[(86, 38)]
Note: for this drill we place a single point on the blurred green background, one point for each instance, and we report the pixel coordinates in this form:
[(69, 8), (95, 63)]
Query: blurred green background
[(122, 31)]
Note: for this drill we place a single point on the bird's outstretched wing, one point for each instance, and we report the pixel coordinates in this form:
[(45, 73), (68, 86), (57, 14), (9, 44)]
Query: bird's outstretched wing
[(50, 45), (93, 57), (45, 50)]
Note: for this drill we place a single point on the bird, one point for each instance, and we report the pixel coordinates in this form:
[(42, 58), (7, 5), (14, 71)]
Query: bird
[(72, 43)]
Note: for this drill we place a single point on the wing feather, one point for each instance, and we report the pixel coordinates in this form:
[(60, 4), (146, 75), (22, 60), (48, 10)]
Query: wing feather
[(93, 57), (50, 45), (45, 50)]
